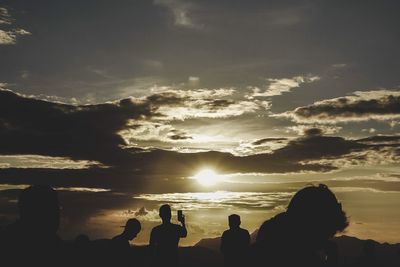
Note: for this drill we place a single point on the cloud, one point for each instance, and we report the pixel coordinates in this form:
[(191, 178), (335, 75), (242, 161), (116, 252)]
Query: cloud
[(313, 153), (268, 140), (153, 131), (181, 12), (314, 129), (193, 80), (362, 189), (200, 103), (5, 17), (37, 161), (260, 146), (220, 199), (374, 150), (385, 177), (374, 156), (78, 135), (10, 36), (86, 132), (82, 189), (339, 65), (280, 86), (381, 105), (381, 140), (99, 132), (141, 212)]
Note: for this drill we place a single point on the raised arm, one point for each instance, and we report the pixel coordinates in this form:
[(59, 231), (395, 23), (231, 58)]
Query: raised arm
[(183, 231)]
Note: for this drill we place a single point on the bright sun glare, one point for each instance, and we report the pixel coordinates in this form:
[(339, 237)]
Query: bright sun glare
[(206, 177)]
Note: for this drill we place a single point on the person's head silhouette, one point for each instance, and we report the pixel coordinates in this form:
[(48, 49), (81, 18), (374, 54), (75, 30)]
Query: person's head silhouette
[(132, 228), (316, 211), (234, 221), (39, 209), (165, 213)]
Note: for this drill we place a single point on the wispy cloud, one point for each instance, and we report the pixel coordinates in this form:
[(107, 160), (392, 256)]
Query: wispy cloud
[(38, 161), (176, 104), (5, 17), (153, 131), (9, 36), (283, 85), (82, 189), (362, 189), (220, 199), (181, 12)]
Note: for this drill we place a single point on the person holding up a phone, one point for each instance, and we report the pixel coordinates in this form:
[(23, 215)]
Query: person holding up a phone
[(164, 238)]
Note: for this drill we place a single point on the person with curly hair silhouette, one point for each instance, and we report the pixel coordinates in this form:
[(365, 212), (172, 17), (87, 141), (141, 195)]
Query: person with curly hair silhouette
[(299, 236)]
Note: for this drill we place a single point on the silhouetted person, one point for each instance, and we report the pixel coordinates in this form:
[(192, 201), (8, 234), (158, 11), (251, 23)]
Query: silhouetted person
[(33, 239), (297, 237), (235, 243), (164, 239), (120, 243)]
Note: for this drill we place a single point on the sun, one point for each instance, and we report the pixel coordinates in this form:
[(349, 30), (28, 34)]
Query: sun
[(206, 177)]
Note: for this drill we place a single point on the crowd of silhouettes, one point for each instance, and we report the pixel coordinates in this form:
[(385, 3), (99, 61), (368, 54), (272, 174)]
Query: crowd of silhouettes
[(299, 236)]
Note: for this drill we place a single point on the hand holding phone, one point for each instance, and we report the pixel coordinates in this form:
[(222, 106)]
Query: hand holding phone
[(181, 217)]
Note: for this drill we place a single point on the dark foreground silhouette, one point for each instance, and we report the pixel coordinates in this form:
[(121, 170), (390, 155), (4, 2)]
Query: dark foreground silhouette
[(300, 236), (32, 239), (235, 243), (164, 239)]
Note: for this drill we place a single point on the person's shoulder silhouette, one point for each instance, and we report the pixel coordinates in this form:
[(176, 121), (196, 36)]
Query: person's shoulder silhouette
[(36, 229), (164, 238), (131, 230), (120, 249), (235, 242), (294, 237)]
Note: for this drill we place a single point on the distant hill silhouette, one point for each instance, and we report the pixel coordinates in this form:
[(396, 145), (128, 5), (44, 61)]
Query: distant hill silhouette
[(350, 248), (215, 242)]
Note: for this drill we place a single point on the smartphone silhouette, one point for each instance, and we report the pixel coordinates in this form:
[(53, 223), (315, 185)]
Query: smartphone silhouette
[(180, 215)]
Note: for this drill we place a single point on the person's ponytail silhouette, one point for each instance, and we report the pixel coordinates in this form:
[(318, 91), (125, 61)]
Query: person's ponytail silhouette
[(33, 239), (235, 243), (164, 239), (297, 236)]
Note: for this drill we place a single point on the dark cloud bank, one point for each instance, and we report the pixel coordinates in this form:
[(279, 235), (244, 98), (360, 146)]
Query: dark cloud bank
[(381, 105), (90, 132)]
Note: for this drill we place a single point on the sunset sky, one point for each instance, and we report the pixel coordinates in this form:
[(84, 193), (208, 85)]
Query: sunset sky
[(216, 107)]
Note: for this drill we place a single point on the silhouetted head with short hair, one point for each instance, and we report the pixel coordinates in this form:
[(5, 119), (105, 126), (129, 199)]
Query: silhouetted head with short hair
[(234, 221), (132, 228), (39, 209), (165, 213), (315, 211)]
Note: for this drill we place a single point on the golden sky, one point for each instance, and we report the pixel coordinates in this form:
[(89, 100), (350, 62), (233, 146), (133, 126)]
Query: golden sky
[(213, 107)]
